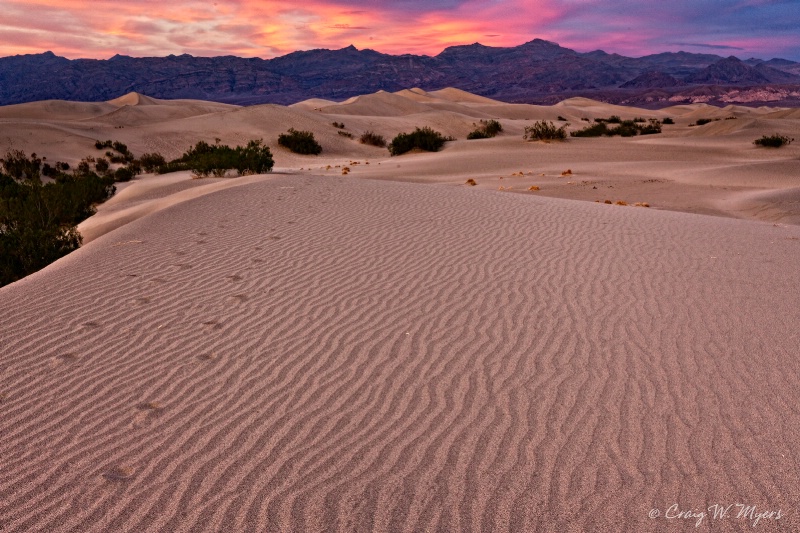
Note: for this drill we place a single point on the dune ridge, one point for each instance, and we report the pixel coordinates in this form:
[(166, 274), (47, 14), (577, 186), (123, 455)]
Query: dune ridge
[(333, 353)]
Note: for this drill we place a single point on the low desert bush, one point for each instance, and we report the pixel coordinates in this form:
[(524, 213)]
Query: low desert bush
[(38, 221), (773, 141), (205, 159), (373, 139), (150, 162), (423, 138), (626, 128), (667, 120), (338, 125), (345, 134), (545, 131), (486, 130), (300, 142)]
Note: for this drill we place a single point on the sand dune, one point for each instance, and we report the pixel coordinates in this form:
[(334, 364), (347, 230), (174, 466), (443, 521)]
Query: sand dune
[(321, 353)]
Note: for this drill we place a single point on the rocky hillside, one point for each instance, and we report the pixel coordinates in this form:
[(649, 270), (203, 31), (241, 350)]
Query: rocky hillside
[(536, 72)]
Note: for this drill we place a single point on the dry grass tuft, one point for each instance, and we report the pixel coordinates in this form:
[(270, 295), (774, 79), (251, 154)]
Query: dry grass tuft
[(567, 172), (471, 182), (621, 202), (533, 188), (608, 202)]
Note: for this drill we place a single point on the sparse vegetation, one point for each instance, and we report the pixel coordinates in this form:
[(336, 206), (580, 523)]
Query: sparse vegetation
[(38, 221), (373, 139), (667, 120), (339, 125), (626, 128), (205, 159), (151, 162), (562, 119), (487, 129), (613, 119), (300, 142), (773, 141), (345, 134), (545, 131), (703, 121), (423, 138)]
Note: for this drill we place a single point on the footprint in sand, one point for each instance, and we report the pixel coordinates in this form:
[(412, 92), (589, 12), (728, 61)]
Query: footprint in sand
[(183, 266), (62, 359), (240, 297), (212, 324), (119, 473), (141, 300), (234, 277), (207, 356), (91, 325)]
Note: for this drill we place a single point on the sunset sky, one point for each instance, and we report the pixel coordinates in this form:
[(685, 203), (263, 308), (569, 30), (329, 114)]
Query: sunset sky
[(269, 28)]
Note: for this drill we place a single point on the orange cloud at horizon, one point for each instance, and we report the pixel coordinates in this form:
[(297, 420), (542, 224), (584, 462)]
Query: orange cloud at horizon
[(270, 28)]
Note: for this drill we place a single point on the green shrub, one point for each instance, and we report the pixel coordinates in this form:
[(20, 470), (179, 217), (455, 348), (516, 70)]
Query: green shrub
[(653, 127), (205, 159), (613, 119), (101, 166), (773, 141), (38, 221), (545, 131), (486, 130), (150, 162), (300, 142), (373, 139), (626, 128), (595, 130), (123, 174), (423, 138)]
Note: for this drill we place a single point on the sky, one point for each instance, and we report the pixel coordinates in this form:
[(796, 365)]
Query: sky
[(269, 28)]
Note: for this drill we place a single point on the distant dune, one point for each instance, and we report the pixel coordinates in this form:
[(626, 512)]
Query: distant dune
[(395, 350)]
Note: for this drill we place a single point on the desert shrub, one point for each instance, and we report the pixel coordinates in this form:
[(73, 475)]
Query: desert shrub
[(123, 174), (595, 130), (38, 221), (562, 119), (101, 166), (254, 158), (300, 142), (667, 120), (613, 119), (545, 131), (21, 167), (639, 120), (773, 141), (373, 139), (703, 121), (150, 162), (486, 130), (345, 134), (424, 138), (651, 128), (339, 125), (205, 159), (626, 128)]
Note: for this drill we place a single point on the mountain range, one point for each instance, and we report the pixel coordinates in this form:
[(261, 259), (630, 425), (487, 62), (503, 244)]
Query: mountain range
[(535, 72)]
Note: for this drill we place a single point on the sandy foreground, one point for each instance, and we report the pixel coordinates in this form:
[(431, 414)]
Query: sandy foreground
[(307, 351)]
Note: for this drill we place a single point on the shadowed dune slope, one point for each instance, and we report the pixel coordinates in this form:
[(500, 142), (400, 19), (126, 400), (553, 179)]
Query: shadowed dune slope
[(335, 354)]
